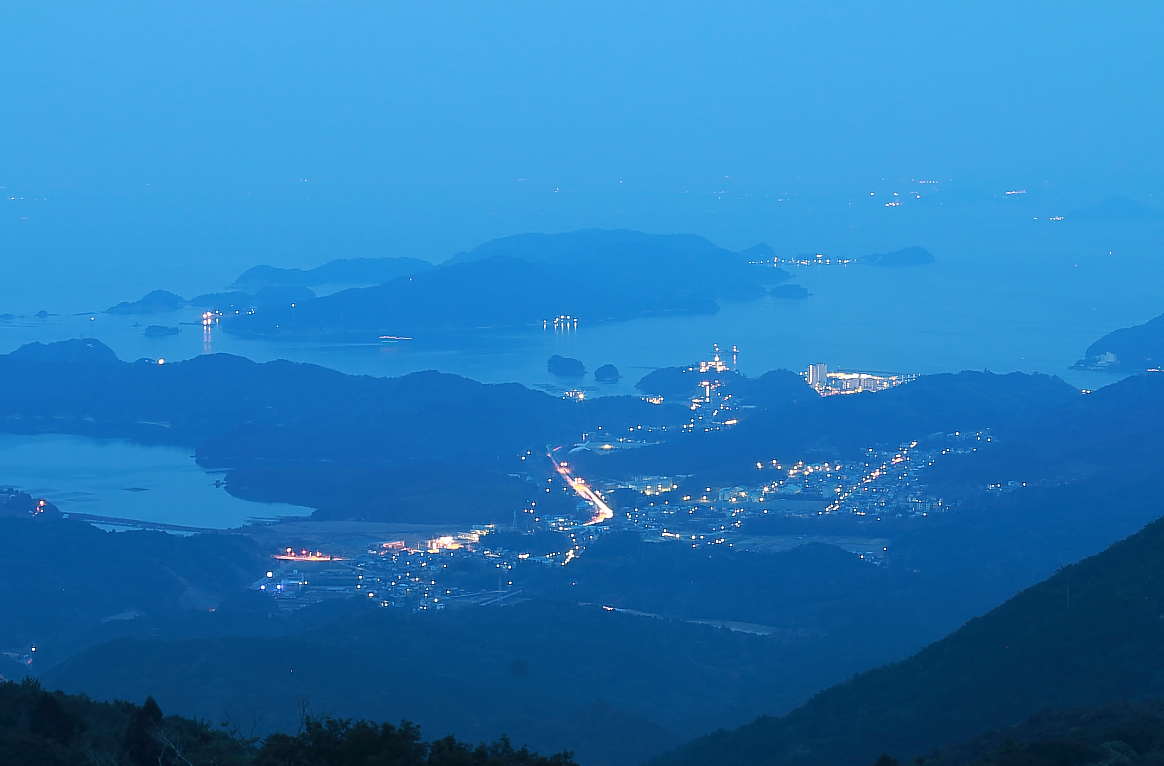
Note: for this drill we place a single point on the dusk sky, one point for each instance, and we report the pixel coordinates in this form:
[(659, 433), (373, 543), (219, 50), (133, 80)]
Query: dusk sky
[(183, 143), (581, 383)]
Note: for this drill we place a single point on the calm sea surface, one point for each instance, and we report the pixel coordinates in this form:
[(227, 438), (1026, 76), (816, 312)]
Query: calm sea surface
[(954, 315), (122, 480), (946, 317)]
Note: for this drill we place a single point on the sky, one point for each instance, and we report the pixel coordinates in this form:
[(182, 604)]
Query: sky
[(173, 145)]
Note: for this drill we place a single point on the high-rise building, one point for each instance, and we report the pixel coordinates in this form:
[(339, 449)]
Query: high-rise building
[(818, 374)]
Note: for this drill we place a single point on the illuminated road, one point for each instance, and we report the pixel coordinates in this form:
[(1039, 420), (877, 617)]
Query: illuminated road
[(306, 555), (602, 510)]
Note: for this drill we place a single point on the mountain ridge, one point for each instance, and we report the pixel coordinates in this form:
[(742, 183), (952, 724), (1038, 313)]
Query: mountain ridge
[(1085, 636)]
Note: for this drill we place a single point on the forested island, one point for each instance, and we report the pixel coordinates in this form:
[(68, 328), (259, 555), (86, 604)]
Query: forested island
[(1131, 349), (521, 281)]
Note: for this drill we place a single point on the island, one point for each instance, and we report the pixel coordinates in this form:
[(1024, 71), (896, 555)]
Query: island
[(565, 367), (789, 292), (524, 281), (350, 271), (607, 373), (910, 256)]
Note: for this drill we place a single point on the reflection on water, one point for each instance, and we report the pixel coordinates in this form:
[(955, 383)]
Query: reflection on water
[(954, 315), (122, 480), (942, 318)]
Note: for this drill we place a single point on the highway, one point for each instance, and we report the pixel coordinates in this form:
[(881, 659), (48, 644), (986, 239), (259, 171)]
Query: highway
[(602, 511)]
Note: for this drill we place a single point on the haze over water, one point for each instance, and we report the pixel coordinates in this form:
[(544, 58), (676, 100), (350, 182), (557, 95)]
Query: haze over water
[(1032, 302), (153, 146), (120, 480), (162, 147)]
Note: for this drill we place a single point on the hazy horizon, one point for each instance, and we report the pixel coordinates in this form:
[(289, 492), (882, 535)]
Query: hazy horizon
[(168, 147), (621, 495)]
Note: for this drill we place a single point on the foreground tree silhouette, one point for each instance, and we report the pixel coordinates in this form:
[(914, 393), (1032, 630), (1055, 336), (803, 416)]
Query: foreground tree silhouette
[(39, 728), (140, 744), (329, 741)]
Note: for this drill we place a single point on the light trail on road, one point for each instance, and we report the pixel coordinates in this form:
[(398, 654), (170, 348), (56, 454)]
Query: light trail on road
[(603, 511)]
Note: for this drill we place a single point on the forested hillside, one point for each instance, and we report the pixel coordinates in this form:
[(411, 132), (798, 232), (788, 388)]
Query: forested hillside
[(1089, 635), (42, 728)]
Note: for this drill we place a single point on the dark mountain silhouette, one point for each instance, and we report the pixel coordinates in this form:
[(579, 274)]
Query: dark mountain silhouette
[(237, 301), (370, 271), (281, 415), (481, 672), (145, 574), (433, 492), (43, 728), (160, 331), (681, 383), (526, 280), (24, 505), (78, 351), (1130, 349), (280, 418), (1131, 733), (157, 302), (1115, 427), (565, 367), (607, 373), (795, 422), (519, 281), (476, 672), (80, 386), (498, 292), (1089, 635), (160, 301), (356, 447)]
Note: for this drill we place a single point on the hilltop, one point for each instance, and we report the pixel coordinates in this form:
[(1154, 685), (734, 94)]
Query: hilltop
[(1131, 733), (910, 256), (310, 435), (234, 302), (579, 246), (1086, 636), (370, 271), (815, 598), (791, 421), (1131, 349), (522, 281)]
